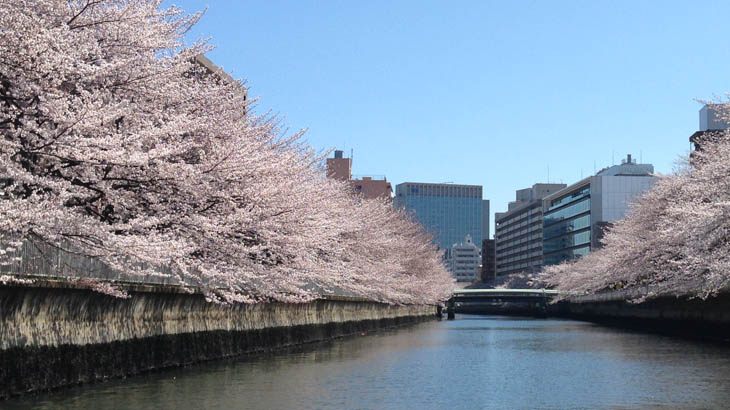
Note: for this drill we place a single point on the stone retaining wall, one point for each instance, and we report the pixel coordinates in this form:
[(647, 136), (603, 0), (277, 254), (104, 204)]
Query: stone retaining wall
[(53, 334), (682, 316)]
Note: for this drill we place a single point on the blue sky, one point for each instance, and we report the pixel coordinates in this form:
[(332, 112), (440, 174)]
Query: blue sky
[(479, 92)]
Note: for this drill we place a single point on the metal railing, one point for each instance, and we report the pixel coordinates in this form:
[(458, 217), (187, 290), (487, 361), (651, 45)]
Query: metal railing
[(35, 258), (687, 289)]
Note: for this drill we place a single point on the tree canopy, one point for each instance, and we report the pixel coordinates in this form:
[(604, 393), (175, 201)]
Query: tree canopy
[(675, 239), (118, 145)]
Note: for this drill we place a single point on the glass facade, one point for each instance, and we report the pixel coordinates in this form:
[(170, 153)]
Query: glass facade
[(566, 254), (566, 241), (584, 205), (566, 230), (449, 212), (571, 197), (564, 227)]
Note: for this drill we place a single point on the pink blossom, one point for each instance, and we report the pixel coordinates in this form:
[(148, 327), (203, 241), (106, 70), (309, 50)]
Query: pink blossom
[(675, 240), (118, 146)]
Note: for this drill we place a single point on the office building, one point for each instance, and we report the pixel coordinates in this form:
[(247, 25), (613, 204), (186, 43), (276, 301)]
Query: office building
[(575, 217), (489, 267), (485, 219), (448, 211), (518, 231), (465, 260)]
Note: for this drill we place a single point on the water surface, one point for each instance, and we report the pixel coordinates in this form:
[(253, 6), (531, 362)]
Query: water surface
[(470, 363)]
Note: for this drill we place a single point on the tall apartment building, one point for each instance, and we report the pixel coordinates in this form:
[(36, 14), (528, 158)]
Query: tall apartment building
[(518, 231), (575, 217), (448, 211), (340, 168), (465, 260)]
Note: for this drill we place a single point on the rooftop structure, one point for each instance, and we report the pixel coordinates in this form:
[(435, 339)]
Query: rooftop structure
[(340, 168), (713, 120)]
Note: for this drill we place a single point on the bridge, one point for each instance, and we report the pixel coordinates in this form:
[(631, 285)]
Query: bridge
[(505, 301)]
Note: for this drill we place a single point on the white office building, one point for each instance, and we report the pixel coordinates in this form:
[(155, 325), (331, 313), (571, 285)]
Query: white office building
[(574, 218), (464, 260)]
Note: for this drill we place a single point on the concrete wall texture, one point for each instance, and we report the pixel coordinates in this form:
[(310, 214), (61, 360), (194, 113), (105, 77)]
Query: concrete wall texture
[(679, 316), (54, 335)]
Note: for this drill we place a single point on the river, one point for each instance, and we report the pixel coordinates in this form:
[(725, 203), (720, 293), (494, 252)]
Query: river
[(473, 362)]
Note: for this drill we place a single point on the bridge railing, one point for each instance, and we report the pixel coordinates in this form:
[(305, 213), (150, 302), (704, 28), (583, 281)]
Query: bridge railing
[(526, 292)]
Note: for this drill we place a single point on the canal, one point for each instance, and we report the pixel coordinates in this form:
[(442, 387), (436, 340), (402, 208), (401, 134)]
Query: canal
[(471, 363)]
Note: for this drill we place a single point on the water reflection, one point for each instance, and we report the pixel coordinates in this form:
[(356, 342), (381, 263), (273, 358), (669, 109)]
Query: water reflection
[(473, 362)]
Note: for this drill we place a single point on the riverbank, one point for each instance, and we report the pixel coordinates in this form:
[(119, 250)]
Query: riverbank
[(680, 316), (55, 334), (670, 314)]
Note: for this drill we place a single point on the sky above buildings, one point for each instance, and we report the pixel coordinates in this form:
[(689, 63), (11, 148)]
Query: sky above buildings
[(499, 94)]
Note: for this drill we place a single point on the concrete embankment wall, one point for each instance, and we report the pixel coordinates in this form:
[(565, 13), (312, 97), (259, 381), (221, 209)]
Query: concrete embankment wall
[(709, 318), (53, 334)]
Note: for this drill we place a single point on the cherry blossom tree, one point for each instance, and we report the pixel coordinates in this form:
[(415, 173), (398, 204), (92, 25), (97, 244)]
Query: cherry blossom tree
[(675, 239), (117, 145)]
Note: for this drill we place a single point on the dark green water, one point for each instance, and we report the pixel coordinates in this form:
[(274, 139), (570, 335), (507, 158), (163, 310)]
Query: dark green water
[(471, 363)]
